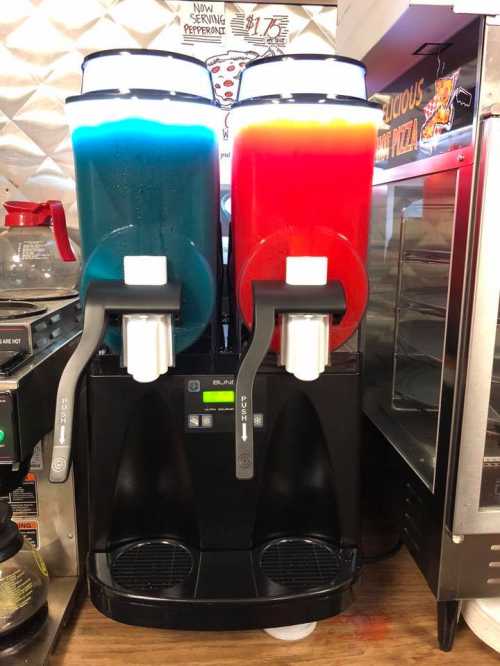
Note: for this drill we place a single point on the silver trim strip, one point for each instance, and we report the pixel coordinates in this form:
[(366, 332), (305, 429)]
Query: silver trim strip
[(468, 517)]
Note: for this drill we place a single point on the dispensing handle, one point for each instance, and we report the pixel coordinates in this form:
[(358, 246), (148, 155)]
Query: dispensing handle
[(93, 332), (103, 298), (264, 319), (270, 299), (60, 230)]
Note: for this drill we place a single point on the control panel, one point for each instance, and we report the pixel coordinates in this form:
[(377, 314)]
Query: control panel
[(56, 325), (34, 334), (209, 404), (8, 431)]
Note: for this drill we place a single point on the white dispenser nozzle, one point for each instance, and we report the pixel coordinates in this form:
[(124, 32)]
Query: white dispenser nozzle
[(305, 337), (148, 344)]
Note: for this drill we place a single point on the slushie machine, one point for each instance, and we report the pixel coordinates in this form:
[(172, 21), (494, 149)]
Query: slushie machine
[(223, 445)]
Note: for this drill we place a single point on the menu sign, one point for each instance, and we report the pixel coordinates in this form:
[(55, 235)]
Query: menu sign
[(203, 23), (261, 30), (429, 110), (229, 35)]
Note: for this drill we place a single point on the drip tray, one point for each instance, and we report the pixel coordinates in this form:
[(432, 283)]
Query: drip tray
[(301, 564), (165, 583), (152, 567)]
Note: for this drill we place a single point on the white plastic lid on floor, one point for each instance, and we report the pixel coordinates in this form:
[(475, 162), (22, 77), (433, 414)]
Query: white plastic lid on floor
[(294, 632), (483, 618)]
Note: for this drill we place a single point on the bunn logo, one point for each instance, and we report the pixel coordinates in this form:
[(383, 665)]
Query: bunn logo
[(222, 382)]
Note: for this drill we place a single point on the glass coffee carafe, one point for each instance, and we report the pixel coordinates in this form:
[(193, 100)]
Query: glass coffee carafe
[(24, 578), (37, 259)]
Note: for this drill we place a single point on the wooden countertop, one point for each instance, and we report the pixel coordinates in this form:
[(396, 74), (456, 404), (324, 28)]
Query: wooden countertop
[(391, 623)]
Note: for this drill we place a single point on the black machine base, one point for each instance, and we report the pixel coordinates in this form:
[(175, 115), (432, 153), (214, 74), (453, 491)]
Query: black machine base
[(164, 583)]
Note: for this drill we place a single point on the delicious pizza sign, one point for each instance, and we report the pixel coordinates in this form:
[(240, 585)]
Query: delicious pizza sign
[(429, 110)]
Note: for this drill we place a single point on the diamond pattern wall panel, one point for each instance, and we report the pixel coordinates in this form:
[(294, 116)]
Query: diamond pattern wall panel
[(43, 42)]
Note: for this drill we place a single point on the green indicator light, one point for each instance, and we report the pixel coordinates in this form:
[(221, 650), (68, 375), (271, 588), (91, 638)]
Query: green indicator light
[(2, 436), (218, 396)]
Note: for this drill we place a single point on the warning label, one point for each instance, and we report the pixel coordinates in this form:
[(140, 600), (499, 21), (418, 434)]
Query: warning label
[(33, 249), (16, 592), (29, 530), (24, 500)]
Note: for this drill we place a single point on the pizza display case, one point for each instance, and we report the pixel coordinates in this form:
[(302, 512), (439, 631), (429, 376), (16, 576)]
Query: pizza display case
[(432, 332)]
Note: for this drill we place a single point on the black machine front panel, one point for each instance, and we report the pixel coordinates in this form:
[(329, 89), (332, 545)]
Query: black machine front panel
[(8, 430), (209, 404), (154, 476)]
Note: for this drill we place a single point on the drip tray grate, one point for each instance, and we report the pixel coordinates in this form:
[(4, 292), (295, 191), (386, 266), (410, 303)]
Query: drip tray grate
[(301, 564), (151, 567)]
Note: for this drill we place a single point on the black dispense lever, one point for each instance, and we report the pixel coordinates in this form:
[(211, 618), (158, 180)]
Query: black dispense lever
[(270, 300), (103, 299)]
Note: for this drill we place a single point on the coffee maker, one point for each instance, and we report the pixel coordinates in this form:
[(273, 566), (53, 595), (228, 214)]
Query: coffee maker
[(40, 324), (223, 459)]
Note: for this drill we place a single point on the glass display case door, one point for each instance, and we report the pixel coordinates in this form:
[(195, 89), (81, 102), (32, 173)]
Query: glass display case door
[(477, 498), (410, 259)]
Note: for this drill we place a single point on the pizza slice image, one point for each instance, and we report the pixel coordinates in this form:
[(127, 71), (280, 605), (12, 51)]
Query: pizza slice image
[(440, 111), (443, 115), (225, 70), (444, 90), (428, 130)]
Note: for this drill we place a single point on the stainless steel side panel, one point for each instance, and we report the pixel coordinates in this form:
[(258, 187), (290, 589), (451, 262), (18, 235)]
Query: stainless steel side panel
[(469, 518)]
